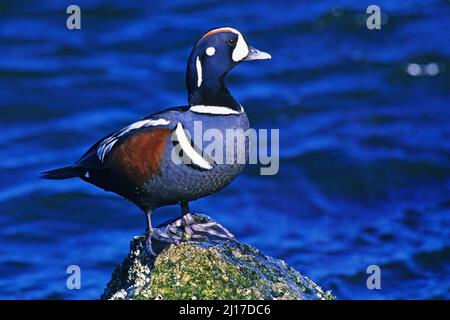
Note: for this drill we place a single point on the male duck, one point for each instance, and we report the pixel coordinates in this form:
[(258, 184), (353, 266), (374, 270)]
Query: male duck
[(137, 161)]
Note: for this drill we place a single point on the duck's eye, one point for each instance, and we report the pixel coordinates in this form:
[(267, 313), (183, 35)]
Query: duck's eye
[(231, 41)]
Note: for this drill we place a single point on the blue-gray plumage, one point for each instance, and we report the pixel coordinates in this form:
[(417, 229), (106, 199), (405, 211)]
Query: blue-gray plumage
[(137, 161)]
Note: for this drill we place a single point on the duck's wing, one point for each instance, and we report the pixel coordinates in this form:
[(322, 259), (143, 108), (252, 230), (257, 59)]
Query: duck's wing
[(97, 155)]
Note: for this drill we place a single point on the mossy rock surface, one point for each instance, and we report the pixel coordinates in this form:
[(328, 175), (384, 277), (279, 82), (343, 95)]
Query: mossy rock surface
[(207, 270)]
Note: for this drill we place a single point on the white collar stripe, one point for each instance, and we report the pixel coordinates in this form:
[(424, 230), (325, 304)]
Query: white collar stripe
[(214, 110)]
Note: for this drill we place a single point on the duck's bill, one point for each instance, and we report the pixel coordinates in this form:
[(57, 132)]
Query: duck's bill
[(255, 54)]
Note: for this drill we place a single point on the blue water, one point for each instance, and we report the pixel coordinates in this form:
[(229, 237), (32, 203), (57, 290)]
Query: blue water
[(365, 145)]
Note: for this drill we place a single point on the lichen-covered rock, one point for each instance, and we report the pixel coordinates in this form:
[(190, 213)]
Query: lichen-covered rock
[(212, 269)]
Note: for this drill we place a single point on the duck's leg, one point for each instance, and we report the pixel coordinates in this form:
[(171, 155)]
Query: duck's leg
[(150, 231), (186, 218)]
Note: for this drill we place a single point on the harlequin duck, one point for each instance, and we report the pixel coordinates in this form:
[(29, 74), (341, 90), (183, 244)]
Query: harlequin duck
[(137, 161)]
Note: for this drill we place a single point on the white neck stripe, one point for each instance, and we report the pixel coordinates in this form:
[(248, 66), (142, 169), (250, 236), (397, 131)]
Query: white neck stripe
[(214, 110), (198, 66)]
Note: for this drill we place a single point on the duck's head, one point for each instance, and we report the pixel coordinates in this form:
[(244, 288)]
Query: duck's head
[(214, 54)]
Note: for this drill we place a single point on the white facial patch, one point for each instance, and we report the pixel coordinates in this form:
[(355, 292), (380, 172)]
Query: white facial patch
[(198, 66), (241, 49), (210, 51)]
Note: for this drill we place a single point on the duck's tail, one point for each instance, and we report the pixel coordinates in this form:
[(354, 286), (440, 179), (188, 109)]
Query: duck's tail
[(62, 173)]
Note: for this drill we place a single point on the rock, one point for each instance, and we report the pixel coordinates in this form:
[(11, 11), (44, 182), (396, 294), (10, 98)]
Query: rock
[(209, 269)]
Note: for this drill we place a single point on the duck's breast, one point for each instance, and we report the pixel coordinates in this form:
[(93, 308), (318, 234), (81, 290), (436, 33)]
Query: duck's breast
[(216, 153)]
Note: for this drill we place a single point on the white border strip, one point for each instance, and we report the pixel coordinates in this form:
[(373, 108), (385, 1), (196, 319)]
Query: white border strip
[(196, 158)]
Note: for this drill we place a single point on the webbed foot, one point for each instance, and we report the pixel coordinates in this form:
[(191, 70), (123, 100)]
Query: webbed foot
[(202, 227), (188, 227)]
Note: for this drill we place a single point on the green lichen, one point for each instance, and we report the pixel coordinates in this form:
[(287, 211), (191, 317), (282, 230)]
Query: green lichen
[(208, 270)]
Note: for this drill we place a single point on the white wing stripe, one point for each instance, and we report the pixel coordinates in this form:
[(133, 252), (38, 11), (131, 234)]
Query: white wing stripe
[(105, 147), (196, 158)]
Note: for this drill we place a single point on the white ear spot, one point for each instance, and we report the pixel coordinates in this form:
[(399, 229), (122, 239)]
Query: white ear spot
[(210, 51), (198, 65), (241, 50)]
